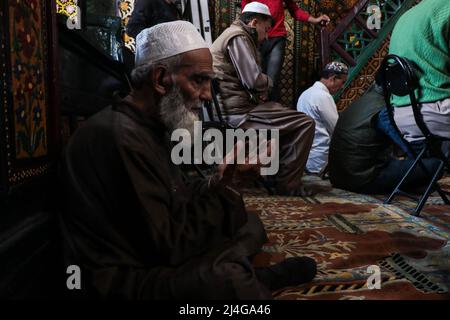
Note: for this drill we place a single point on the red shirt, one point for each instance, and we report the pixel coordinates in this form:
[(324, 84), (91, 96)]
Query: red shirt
[(277, 12)]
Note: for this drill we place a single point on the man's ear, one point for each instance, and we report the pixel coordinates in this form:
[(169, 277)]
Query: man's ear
[(253, 23), (161, 79)]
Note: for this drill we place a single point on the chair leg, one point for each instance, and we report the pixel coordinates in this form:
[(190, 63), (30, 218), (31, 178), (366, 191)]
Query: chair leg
[(432, 183), (397, 188), (445, 165), (443, 194)]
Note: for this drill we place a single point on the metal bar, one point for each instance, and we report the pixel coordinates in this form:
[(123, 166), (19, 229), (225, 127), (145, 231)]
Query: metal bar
[(324, 46), (425, 196), (397, 188)]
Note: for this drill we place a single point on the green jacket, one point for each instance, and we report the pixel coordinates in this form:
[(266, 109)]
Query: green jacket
[(422, 35)]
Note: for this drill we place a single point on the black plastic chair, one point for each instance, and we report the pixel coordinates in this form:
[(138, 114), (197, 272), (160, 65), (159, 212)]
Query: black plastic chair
[(212, 115), (398, 77)]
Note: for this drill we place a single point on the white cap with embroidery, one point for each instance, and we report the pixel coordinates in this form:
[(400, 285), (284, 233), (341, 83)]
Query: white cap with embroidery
[(166, 40), (257, 7)]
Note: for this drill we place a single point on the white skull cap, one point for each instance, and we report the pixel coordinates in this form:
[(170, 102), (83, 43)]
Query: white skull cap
[(257, 7), (166, 40)]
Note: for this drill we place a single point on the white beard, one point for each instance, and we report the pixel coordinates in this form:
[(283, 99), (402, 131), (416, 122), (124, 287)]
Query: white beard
[(175, 112)]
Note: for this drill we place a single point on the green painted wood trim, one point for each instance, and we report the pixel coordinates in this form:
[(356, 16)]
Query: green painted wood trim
[(373, 46)]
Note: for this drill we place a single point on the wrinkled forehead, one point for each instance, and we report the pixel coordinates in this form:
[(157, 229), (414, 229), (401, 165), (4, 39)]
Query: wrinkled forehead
[(199, 60), (200, 57)]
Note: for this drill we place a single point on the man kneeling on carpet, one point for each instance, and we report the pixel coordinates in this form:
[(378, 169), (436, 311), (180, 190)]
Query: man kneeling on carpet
[(244, 90), (137, 227), (318, 103)]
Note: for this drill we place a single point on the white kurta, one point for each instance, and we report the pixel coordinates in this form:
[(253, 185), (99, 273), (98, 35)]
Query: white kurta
[(318, 103)]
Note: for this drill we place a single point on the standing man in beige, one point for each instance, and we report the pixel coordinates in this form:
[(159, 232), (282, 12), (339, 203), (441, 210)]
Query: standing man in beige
[(244, 91)]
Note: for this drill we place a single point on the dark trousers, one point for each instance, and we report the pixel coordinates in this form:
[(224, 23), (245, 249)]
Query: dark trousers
[(272, 53), (392, 173)]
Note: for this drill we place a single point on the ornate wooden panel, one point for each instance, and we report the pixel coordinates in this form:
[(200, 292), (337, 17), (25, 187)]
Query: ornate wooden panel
[(27, 85), (359, 85)]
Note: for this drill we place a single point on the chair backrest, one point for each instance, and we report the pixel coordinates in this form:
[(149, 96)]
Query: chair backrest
[(399, 77), (213, 111)]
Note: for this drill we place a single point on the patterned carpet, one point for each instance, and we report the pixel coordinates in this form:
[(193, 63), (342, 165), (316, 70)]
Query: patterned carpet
[(346, 233)]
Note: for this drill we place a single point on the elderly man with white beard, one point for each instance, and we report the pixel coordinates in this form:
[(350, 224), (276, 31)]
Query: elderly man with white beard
[(138, 228)]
